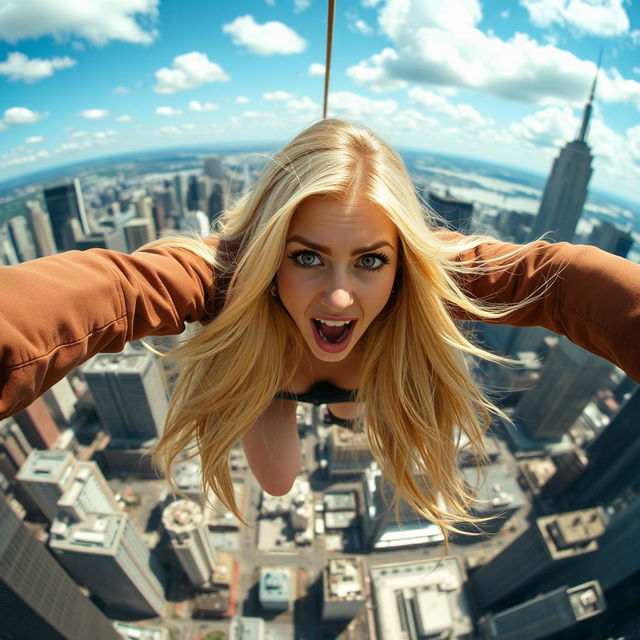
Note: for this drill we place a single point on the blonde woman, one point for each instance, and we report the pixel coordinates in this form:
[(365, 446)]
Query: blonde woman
[(327, 282)]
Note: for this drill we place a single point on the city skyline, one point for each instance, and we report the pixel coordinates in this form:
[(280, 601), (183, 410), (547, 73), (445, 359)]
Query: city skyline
[(501, 82)]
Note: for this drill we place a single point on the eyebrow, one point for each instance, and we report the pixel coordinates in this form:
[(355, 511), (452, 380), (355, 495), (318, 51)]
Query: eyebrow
[(327, 250)]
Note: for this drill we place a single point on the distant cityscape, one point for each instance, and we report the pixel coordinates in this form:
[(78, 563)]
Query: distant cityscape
[(91, 538)]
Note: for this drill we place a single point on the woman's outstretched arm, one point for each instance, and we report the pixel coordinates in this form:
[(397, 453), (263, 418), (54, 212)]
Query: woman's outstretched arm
[(57, 312), (272, 447), (593, 297)]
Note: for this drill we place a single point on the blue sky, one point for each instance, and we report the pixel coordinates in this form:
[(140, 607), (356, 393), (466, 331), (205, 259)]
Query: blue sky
[(504, 81)]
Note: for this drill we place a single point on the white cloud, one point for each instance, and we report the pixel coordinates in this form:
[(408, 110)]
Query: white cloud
[(69, 146), (504, 14), (550, 127), (198, 107), (121, 91), (439, 44), (176, 130), (357, 107), (105, 135), (168, 111), (189, 70), (21, 115), (303, 104), (258, 114), (242, 100), (34, 140), (374, 74), (19, 67), (604, 18), (94, 114), (125, 117), (316, 69), (617, 156), (301, 5), (98, 21), (411, 120), (439, 104), (277, 96), (357, 25), (268, 39), (79, 134), (169, 130)]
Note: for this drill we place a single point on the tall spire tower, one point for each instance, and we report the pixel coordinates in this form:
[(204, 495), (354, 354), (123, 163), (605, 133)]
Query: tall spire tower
[(566, 188)]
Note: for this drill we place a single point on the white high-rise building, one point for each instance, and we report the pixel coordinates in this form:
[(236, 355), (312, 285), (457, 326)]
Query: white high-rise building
[(185, 523), (56, 482), (61, 401), (46, 476), (106, 554), (129, 394)]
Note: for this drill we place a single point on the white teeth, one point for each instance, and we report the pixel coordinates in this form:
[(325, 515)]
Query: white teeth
[(334, 323)]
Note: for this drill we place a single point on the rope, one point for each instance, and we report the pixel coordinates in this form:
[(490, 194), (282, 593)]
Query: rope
[(331, 11)]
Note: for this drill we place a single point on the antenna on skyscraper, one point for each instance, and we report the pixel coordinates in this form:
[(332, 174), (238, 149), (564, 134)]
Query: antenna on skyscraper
[(584, 127)]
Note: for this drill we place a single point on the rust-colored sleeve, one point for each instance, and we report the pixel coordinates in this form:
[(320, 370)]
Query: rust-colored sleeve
[(593, 297), (57, 312)]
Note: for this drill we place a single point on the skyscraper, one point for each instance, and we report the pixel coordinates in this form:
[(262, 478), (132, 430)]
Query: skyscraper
[(129, 394), (569, 379), (56, 482), (20, 238), (566, 189), (545, 547), (456, 214), (180, 188), (213, 168), (37, 597), (138, 232), (217, 201), (613, 460), (113, 239), (559, 610), (37, 424), (106, 554), (612, 239), (66, 211), (184, 521), (41, 230), (62, 401), (14, 448)]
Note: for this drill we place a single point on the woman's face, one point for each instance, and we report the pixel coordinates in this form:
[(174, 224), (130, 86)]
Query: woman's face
[(337, 272)]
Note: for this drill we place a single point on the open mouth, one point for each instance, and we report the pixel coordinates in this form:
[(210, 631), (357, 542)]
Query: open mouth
[(332, 335)]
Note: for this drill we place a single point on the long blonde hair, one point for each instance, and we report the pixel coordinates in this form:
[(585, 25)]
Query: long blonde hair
[(416, 386)]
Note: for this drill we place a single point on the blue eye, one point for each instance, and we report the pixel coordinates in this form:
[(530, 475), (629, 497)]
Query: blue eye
[(305, 259), (373, 261)]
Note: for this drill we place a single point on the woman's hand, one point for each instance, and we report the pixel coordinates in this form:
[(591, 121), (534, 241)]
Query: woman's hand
[(272, 447)]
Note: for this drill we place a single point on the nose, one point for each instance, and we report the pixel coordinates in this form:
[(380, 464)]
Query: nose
[(338, 294)]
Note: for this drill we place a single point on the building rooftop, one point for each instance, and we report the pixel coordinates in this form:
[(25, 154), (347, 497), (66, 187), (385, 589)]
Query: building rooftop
[(344, 579), (572, 533), (497, 490), (340, 501), (182, 516), (587, 600), (98, 533), (427, 598), (136, 632), (46, 466), (120, 363), (275, 584)]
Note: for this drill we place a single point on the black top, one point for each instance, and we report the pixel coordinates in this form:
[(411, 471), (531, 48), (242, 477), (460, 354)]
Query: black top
[(321, 393)]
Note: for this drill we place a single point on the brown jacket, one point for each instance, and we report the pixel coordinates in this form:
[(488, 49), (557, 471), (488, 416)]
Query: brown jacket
[(57, 312)]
